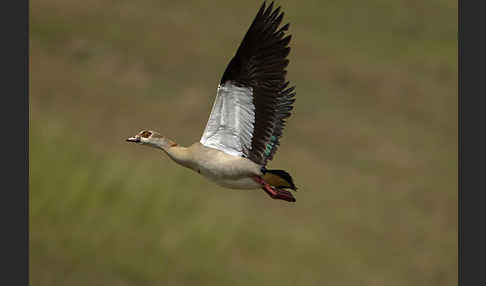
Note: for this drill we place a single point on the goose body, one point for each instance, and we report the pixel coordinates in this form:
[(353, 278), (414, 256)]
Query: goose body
[(225, 170), (252, 102)]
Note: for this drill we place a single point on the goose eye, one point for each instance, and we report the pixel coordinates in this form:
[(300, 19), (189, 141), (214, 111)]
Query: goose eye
[(146, 134)]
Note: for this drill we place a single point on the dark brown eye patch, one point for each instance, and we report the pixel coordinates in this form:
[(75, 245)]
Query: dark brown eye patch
[(146, 134)]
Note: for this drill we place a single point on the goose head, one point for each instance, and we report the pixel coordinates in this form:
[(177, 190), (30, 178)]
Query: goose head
[(146, 137), (152, 139)]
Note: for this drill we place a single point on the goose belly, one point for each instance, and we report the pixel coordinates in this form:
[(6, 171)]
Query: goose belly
[(230, 176), (241, 183)]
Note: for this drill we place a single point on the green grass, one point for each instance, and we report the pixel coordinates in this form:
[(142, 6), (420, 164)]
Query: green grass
[(372, 146)]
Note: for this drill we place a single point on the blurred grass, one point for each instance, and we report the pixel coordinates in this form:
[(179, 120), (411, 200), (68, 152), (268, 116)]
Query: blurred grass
[(372, 145)]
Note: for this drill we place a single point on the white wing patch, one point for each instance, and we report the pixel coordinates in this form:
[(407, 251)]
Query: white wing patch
[(230, 125)]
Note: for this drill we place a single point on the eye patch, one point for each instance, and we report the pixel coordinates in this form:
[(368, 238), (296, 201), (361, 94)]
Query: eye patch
[(146, 134)]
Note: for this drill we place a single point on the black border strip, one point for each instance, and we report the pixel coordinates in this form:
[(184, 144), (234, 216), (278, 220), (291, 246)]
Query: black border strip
[(14, 117), (471, 143)]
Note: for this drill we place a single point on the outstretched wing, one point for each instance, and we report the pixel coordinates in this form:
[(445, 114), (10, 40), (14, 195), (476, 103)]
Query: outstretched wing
[(253, 100)]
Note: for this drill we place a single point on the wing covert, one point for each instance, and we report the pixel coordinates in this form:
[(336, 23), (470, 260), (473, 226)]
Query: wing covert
[(230, 124)]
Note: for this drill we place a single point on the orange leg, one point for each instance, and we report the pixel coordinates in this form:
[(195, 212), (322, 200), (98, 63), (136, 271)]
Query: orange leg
[(273, 192)]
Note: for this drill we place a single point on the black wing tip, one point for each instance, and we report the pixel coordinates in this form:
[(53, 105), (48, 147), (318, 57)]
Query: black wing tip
[(263, 33), (262, 8)]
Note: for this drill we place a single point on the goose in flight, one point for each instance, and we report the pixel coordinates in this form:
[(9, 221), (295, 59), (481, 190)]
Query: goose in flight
[(253, 101)]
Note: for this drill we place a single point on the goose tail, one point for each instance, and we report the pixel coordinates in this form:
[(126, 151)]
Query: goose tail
[(279, 179)]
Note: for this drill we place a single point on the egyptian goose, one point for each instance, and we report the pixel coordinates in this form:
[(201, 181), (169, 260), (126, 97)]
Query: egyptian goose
[(248, 116)]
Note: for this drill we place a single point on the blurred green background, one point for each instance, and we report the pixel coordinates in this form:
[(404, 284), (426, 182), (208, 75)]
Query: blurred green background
[(372, 146)]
